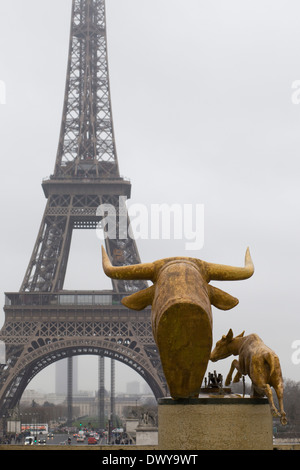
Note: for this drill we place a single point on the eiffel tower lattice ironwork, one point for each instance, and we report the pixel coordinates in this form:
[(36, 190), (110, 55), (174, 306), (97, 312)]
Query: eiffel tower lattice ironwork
[(43, 322)]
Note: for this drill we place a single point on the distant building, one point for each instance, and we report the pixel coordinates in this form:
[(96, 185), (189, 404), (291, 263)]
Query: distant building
[(40, 398), (61, 376), (133, 388), (85, 402)]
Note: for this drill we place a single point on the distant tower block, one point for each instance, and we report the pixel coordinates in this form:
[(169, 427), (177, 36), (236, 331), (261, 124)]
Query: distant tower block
[(61, 371), (133, 388)]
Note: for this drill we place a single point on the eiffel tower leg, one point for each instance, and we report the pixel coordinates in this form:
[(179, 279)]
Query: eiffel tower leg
[(113, 392), (70, 390), (48, 262), (101, 393)]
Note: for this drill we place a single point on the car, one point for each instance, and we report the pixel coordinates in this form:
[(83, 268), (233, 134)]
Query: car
[(80, 439), (92, 440), (28, 441)]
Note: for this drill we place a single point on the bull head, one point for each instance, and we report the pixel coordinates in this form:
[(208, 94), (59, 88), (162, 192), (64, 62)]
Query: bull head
[(181, 300)]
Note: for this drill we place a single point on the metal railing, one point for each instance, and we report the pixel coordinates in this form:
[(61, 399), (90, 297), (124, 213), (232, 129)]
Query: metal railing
[(74, 298)]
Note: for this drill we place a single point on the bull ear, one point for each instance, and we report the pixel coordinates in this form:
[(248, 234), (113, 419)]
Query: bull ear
[(139, 300), (221, 299)]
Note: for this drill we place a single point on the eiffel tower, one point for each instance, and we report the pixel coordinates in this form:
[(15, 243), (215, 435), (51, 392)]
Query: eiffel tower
[(43, 322)]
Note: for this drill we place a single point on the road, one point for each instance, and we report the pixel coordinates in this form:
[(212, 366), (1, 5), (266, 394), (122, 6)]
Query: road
[(62, 439)]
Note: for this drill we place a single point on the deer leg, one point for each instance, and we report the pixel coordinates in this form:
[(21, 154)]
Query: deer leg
[(237, 377), (268, 392), (234, 365), (279, 392)]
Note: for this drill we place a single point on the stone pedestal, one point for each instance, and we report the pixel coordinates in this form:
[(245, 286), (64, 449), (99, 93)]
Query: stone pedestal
[(215, 423), (146, 436), (131, 424)]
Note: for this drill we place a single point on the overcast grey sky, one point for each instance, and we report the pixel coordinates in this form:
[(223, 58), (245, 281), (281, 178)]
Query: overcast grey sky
[(203, 114)]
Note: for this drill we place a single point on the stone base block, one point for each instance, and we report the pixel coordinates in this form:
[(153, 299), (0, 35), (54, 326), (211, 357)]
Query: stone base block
[(146, 436), (215, 423)]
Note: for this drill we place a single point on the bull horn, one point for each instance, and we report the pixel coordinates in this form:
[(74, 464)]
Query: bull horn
[(221, 272), (143, 271)]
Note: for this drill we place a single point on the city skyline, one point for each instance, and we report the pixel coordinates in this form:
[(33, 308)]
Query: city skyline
[(85, 379)]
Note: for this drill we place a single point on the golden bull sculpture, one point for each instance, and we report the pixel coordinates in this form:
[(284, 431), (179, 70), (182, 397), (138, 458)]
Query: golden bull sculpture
[(181, 300)]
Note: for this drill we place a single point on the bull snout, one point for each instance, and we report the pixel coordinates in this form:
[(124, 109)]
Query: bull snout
[(182, 326), (179, 286)]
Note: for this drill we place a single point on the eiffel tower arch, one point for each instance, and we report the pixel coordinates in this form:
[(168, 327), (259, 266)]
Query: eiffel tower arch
[(43, 322)]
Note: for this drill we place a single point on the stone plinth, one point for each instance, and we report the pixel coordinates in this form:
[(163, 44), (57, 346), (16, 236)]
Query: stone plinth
[(215, 423), (131, 424), (146, 436)]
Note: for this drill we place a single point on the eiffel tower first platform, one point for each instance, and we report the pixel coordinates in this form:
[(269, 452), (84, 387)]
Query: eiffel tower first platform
[(43, 322)]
